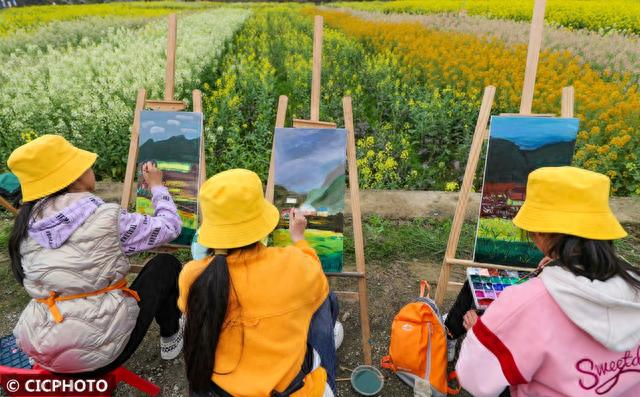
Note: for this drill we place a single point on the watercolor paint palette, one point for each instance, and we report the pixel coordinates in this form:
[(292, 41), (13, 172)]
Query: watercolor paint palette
[(487, 284)]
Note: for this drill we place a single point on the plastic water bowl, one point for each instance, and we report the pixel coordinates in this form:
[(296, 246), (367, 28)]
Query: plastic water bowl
[(367, 380)]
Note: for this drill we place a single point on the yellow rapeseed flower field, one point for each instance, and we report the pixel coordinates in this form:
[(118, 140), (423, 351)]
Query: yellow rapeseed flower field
[(27, 18), (607, 104), (603, 16)]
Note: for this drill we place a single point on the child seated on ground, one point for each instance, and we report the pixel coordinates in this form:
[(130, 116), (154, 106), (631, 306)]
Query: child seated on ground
[(68, 249), (575, 329), (248, 307)]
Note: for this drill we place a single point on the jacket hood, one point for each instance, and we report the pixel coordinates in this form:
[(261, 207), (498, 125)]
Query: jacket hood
[(56, 219), (609, 310)]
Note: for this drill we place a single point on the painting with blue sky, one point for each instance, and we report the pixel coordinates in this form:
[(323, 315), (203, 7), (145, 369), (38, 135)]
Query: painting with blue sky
[(309, 167), (518, 145), (171, 140)]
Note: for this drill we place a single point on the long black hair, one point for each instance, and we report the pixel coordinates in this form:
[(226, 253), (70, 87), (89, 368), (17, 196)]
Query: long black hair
[(19, 232), (593, 259), (206, 310)]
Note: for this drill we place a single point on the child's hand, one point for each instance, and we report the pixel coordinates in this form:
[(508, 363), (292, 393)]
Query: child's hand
[(152, 175), (469, 320), (297, 225), (544, 262)]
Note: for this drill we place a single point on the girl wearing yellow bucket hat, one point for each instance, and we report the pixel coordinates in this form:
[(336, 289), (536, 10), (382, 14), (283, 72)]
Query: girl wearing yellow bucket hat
[(575, 329), (249, 307), (68, 249)]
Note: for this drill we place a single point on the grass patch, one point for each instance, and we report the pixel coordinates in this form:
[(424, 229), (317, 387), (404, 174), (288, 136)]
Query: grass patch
[(629, 247), (422, 239), (5, 230)]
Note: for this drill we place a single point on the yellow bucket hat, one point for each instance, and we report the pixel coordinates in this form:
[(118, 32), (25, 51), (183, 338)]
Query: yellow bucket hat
[(234, 210), (569, 200), (48, 164)]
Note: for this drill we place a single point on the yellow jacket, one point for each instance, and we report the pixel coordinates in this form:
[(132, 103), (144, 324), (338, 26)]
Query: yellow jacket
[(273, 294)]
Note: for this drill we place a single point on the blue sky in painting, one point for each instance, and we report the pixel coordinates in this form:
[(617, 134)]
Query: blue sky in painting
[(305, 156), (531, 133), (161, 126)]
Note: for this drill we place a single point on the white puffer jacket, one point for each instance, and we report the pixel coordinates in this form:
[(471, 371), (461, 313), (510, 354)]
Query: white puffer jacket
[(95, 329)]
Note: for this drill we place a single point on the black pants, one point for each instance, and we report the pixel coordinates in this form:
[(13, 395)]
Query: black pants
[(455, 318), (157, 285), (464, 303)]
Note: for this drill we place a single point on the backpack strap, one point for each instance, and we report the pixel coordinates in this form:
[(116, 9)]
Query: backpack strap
[(456, 390), (424, 285), (387, 363)]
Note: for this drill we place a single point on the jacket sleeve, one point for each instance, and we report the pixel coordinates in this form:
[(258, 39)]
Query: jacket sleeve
[(506, 346), (140, 232)]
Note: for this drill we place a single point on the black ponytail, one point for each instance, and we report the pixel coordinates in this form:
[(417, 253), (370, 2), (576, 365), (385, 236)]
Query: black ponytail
[(19, 232), (593, 259), (206, 310)]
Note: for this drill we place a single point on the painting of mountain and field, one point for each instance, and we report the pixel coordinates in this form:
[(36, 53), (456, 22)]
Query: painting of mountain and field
[(171, 140), (517, 146), (310, 175)]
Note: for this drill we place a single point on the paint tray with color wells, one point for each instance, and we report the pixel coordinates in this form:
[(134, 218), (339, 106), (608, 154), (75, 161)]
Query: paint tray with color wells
[(487, 284)]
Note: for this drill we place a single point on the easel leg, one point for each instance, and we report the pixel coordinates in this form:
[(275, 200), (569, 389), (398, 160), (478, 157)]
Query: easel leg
[(8, 206), (280, 118), (197, 108), (465, 191), (533, 54), (567, 106), (130, 173), (358, 239)]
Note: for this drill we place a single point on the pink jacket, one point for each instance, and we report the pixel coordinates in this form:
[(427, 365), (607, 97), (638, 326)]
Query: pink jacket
[(556, 335)]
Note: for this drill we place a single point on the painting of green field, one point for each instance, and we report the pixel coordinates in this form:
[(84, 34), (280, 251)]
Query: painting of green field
[(502, 241), (328, 246), (500, 229)]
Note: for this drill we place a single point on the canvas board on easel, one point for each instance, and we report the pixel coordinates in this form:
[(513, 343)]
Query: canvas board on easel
[(310, 175), (171, 141), (518, 145)]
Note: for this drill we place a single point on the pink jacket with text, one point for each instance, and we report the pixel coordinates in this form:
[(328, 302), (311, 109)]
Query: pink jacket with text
[(556, 335)]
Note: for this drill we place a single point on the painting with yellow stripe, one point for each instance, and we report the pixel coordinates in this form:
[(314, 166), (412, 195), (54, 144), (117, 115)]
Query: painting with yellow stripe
[(171, 140), (310, 175)]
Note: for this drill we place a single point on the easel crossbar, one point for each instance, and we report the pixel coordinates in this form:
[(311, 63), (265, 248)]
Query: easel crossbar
[(344, 274)]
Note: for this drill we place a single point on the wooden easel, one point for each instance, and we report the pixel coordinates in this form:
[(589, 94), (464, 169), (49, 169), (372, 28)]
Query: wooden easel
[(168, 104), (7, 205), (354, 189), (480, 134)]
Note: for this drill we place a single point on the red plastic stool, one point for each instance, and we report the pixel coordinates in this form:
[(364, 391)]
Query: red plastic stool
[(120, 374)]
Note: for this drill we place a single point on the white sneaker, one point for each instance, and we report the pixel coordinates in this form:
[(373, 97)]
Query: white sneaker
[(338, 334), (171, 346)]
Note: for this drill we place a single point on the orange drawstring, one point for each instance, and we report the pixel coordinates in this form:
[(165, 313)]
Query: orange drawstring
[(53, 297)]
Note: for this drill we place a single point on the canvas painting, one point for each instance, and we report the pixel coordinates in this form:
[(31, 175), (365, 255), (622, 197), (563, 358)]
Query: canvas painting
[(518, 145), (171, 140), (310, 175)]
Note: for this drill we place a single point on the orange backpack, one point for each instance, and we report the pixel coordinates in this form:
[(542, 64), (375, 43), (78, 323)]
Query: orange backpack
[(418, 349)]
